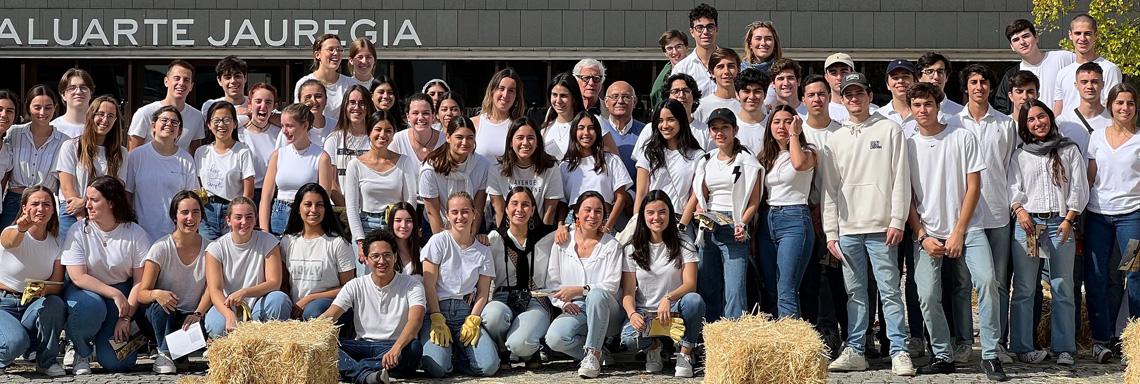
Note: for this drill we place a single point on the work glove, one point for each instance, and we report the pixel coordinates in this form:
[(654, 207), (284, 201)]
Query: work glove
[(673, 331), (469, 334), (440, 334)]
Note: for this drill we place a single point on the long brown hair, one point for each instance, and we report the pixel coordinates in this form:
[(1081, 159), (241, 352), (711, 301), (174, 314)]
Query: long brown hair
[(540, 160), (1057, 166), (440, 158), (112, 142), (519, 108), (770, 150), (53, 222)]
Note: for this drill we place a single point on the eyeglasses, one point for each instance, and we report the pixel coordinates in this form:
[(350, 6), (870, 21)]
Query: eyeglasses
[(381, 256), (78, 88), (589, 79), (221, 121), (170, 122), (105, 115), (675, 47), (701, 28), (620, 97), (680, 91), (932, 72)]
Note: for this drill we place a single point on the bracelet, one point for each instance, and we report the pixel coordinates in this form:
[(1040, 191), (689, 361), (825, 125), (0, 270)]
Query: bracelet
[(199, 314)]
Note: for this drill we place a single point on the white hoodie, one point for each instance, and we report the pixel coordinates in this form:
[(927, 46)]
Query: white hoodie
[(866, 178)]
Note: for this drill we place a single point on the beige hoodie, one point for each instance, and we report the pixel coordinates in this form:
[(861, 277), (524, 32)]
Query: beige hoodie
[(866, 178)]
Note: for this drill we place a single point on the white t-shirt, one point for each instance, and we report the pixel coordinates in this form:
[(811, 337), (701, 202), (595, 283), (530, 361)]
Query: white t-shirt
[(33, 259), (110, 257), (601, 269), (381, 313), (712, 102), (719, 179), (1066, 89), (699, 130), (818, 138), (342, 147), (459, 268), (1116, 190), (547, 186), (223, 175), (691, 65), (1071, 127), (402, 143), (193, 124), (585, 178), (839, 113), (938, 195), (261, 144), (295, 169), (188, 282), (751, 135), (315, 264), (662, 277), (370, 191), (1047, 71), (469, 176), (556, 139), (334, 93), (491, 137), (68, 162), (68, 128), (675, 177), (154, 179), (786, 185), (996, 134), (243, 265)]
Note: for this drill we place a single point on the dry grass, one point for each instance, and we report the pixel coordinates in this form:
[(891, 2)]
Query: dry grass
[(301, 352), (755, 349), (1130, 341)]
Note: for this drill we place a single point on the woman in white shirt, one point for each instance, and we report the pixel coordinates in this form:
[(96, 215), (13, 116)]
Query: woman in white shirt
[(318, 260), (34, 147), (104, 257), (588, 167), (790, 162), (76, 87), (404, 221), (377, 179), (451, 168), (97, 151), (157, 170), (351, 137), (450, 106), (421, 137), (727, 187), (503, 102), (565, 102), (385, 96), (315, 95), (327, 54), (389, 309), (669, 156), (1113, 215), (526, 163), (585, 274), (243, 274), (259, 134), (659, 276), (174, 277), (1048, 186), (31, 252), (362, 61), (682, 88), (457, 285), (305, 163), (225, 168)]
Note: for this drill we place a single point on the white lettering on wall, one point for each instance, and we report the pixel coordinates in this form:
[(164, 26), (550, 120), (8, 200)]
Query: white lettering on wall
[(126, 28), (178, 32), (74, 32), (94, 32)]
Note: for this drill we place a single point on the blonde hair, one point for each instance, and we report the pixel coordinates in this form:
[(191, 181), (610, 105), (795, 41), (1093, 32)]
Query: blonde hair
[(777, 51), (358, 45)]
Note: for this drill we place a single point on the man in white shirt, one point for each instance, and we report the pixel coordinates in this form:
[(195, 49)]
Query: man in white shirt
[(835, 68), (785, 74), (1078, 123), (232, 78), (945, 175), (591, 74), (704, 29), (935, 69), (1083, 35), (901, 73), (725, 67), (179, 81), (1022, 37)]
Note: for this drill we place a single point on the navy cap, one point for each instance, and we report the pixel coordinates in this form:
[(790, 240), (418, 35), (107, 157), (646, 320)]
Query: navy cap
[(901, 64), (722, 114)]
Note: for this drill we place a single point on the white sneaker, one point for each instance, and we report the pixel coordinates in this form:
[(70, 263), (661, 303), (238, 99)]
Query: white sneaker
[(962, 353), (163, 365), (82, 365), (901, 364), (653, 362), (1065, 358), (55, 370), (916, 346), (848, 360), (68, 355), (1003, 355), (590, 366), (684, 366), (1033, 357)]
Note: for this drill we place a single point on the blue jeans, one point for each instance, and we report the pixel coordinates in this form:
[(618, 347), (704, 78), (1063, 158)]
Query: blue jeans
[(358, 358), (962, 306), (999, 239), (574, 334), (66, 220), (977, 258), (1104, 284), (522, 333), (273, 306), (692, 310), (869, 255), (91, 321), (33, 327), (11, 209), (214, 221), (165, 323), (791, 231), (482, 359), (722, 274), (279, 217), (1026, 273)]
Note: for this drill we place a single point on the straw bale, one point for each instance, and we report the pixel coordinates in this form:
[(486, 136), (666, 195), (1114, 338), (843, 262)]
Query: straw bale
[(192, 380), (1130, 344), (301, 352), (755, 349)]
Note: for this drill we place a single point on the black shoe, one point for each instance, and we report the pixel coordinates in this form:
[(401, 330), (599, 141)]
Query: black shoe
[(937, 366), (993, 370)]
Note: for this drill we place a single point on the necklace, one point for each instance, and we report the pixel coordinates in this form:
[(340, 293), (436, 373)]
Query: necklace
[(423, 146)]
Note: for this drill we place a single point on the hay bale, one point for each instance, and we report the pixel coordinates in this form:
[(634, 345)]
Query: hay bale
[(192, 380), (1130, 344), (755, 349), (302, 352)]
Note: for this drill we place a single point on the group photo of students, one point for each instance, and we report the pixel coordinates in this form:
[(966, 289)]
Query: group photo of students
[(447, 244)]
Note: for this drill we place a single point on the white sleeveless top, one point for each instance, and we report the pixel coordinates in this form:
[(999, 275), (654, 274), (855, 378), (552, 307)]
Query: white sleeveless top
[(491, 137), (296, 168)]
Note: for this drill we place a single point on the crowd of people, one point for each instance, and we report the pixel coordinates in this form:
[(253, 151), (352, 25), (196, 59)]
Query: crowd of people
[(447, 244)]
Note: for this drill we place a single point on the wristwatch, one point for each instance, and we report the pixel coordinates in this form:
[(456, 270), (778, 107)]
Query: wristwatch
[(922, 238), (585, 289)]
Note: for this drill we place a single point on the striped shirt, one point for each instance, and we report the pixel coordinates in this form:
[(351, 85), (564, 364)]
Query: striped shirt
[(30, 165)]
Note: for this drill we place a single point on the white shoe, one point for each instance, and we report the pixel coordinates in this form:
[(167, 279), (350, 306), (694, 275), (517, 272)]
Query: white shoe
[(848, 360), (1033, 357), (1003, 355), (684, 366), (164, 365), (901, 364), (962, 353), (653, 362), (69, 355), (590, 366), (1065, 358), (55, 370), (82, 365)]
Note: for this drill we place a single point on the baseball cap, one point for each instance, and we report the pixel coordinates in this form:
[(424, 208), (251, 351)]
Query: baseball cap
[(837, 58), (722, 114), (901, 64), (854, 78)]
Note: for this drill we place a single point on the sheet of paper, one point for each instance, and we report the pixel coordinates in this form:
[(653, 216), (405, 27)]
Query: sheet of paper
[(182, 343)]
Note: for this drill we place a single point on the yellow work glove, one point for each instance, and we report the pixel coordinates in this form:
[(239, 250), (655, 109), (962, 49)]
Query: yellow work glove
[(469, 334), (440, 334), (674, 331)]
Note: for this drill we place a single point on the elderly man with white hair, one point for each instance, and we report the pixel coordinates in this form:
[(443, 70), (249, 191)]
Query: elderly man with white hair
[(591, 73)]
